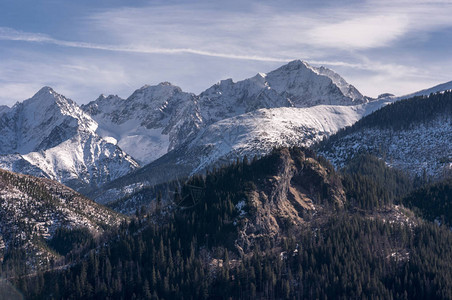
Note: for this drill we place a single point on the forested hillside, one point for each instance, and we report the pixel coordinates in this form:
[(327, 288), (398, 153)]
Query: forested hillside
[(35, 212), (432, 202), (404, 114), (413, 135), (286, 226)]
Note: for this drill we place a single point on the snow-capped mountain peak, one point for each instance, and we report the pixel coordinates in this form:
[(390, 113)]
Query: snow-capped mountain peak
[(154, 93), (43, 99), (50, 135), (41, 122), (307, 85), (44, 91), (296, 84)]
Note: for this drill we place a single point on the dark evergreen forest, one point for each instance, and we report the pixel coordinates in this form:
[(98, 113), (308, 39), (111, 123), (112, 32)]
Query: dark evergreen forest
[(188, 252)]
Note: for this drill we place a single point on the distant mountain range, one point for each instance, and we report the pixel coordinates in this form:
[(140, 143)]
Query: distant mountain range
[(157, 119), (100, 148)]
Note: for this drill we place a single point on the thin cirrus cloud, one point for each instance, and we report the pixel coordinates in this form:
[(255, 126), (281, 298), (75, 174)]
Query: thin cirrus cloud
[(14, 35)]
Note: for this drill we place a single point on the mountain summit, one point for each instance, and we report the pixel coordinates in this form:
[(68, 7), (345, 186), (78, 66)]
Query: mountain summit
[(295, 84)]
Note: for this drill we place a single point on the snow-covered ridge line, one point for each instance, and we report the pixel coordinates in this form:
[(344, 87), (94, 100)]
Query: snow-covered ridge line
[(447, 86)]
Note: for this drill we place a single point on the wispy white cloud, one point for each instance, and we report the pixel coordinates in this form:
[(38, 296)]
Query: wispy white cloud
[(360, 33), (265, 28), (13, 35)]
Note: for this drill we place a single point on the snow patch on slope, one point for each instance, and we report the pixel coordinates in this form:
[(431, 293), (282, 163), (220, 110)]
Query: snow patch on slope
[(83, 160), (424, 147)]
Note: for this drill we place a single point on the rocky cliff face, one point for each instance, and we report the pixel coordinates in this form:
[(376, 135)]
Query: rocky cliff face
[(300, 190)]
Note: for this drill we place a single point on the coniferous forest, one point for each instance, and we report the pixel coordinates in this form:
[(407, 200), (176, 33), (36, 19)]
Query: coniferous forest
[(382, 243)]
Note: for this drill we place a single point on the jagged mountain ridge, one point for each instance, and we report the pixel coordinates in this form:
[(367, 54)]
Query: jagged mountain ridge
[(157, 119), (32, 209), (48, 135), (162, 118)]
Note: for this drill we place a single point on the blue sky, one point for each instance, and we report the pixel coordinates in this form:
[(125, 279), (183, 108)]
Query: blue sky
[(85, 48)]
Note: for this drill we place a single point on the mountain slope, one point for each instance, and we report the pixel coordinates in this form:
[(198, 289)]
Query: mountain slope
[(257, 132), (33, 209), (413, 135), (49, 135), (432, 202), (3, 108)]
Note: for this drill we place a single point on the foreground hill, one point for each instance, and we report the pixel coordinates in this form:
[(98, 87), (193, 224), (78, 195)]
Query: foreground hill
[(34, 210), (281, 227)]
